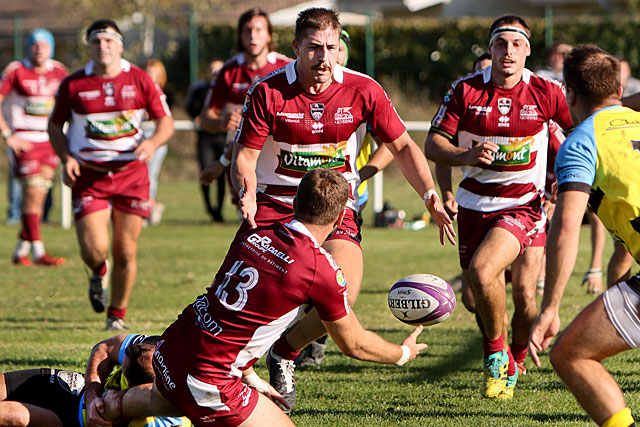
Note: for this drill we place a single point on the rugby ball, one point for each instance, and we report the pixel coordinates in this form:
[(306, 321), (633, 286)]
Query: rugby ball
[(422, 299)]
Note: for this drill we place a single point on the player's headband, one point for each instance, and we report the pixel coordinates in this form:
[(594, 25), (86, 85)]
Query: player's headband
[(501, 30), (108, 32)]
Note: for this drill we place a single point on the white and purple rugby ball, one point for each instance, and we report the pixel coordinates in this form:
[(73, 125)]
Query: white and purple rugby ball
[(421, 299)]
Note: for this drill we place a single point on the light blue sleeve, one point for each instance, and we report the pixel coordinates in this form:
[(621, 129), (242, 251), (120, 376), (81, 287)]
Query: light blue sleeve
[(578, 156), (127, 342)]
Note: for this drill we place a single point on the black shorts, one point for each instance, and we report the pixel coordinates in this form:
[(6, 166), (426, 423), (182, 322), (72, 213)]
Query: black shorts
[(54, 389)]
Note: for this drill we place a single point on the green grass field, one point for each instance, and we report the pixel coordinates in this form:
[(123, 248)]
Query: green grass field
[(46, 321)]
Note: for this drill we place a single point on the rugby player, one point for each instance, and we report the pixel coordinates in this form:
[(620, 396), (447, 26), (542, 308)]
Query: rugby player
[(494, 124), (596, 166), (27, 89), (223, 105), (54, 397), (312, 109), (269, 277), (104, 157)]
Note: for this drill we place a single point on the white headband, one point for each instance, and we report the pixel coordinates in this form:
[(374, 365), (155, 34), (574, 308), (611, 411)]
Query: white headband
[(501, 30), (106, 31)]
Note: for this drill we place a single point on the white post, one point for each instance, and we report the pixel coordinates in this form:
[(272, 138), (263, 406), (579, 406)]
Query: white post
[(65, 205)]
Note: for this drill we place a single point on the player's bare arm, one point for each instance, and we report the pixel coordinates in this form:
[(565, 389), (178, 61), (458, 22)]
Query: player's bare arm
[(562, 249), (443, 176), (379, 160), (103, 357), (243, 176), (359, 343), (16, 144), (216, 168), (415, 169), (164, 129), (70, 166), (441, 150)]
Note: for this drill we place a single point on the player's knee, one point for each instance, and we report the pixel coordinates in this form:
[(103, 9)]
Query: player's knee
[(483, 275), (560, 355), (14, 414)]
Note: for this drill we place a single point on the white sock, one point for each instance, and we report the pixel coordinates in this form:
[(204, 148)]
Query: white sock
[(22, 248), (37, 248)]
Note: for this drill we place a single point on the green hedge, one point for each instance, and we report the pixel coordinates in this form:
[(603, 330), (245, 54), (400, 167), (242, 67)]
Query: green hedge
[(429, 55)]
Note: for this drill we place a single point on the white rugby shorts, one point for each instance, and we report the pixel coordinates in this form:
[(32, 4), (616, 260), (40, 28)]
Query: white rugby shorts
[(622, 303)]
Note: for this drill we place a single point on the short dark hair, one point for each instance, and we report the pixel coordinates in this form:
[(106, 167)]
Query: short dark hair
[(140, 370), (316, 18), (102, 24), (248, 16), (322, 195), (592, 72), (481, 58), (507, 20)]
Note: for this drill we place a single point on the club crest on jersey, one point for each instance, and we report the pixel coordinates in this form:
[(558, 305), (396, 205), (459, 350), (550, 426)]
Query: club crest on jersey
[(317, 110), (504, 105)]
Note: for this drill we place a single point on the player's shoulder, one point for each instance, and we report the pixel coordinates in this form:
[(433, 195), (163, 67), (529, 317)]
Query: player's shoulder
[(12, 67), (232, 63), (476, 79), (541, 82), (58, 66), (77, 75), (278, 59), (275, 80)]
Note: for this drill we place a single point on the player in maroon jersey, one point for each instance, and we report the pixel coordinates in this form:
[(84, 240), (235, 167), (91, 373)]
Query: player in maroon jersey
[(305, 116), (494, 124), (104, 155), (269, 278), (255, 60), (27, 88)]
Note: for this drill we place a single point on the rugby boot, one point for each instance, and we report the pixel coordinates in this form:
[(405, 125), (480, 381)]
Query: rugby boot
[(115, 323), (495, 374), (281, 377), (98, 290), (522, 369), (22, 260), (510, 386), (48, 260), (312, 354)]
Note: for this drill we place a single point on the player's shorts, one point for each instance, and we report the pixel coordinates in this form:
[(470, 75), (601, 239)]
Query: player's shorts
[(53, 389), (225, 401), (524, 222), (622, 303), (124, 190), (271, 210), (30, 163)]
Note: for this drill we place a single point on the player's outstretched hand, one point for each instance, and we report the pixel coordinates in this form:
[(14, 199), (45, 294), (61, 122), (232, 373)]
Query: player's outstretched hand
[(95, 409), (545, 327), (248, 204), (144, 151), (211, 172), (410, 342), (480, 154), (439, 215), (70, 171), (593, 280)]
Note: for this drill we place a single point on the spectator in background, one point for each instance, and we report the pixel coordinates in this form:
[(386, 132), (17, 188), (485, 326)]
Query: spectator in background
[(155, 69), (630, 85), (28, 88), (210, 146), (555, 58)]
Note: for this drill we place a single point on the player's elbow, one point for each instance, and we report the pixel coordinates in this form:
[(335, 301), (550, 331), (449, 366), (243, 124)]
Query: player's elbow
[(353, 349)]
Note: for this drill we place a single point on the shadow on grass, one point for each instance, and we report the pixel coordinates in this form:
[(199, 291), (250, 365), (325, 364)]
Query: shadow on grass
[(422, 412), (45, 362)]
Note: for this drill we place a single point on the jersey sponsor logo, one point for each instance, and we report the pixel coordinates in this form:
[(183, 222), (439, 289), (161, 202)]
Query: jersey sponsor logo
[(204, 320), (240, 87), (80, 204), (317, 110), (263, 243), (290, 117), (504, 105), (89, 95), (158, 360), (449, 95), (618, 123), (247, 101), (71, 382), (317, 127), (128, 91), (514, 222), (40, 109), (529, 112), (340, 278), (438, 118), (109, 130), (343, 115), (332, 158), (516, 152), (503, 122), (481, 110)]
